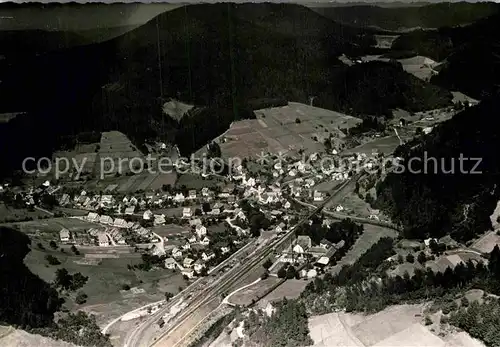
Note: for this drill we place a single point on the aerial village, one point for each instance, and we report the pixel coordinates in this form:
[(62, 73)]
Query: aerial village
[(173, 223)]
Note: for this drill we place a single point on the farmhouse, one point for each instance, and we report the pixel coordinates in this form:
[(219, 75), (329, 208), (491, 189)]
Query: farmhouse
[(64, 235), (318, 196), (106, 220), (147, 215), (188, 262), (189, 273), (130, 210), (120, 223), (93, 217), (192, 194), (170, 264), (186, 212), (102, 240), (201, 231)]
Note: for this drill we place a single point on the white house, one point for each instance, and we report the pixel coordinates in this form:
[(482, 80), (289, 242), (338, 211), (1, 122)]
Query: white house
[(189, 273), (64, 235), (339, 208), (224, 250), (195, 222), (318, 196), (176, 253), (192, 194), (186, 246), (170, 264), (205, 241), (159, 219), (201, 231), (102, 240), (106, 220), (130, 210), (120, 223), (192, 239), (287, 205), (312, 273), (186, 212), (207, 256), (179, 198), (93, 217), (147, 215), (205, 192), (198, 265), (188, 262)]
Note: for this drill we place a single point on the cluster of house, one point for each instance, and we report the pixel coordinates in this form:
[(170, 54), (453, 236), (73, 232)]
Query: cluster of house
[(184, 260), (302, 250)]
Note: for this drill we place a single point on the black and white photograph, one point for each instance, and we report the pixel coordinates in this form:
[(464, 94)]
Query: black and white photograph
[(250, 174)]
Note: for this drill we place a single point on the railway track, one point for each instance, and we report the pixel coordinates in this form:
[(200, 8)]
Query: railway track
[(225, 284)]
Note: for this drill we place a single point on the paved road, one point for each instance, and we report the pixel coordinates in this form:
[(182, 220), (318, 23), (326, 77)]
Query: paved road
[(177, 332)]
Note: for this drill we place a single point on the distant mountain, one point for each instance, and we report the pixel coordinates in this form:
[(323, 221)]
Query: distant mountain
[(448, 197), (223, 57), (400, 18)]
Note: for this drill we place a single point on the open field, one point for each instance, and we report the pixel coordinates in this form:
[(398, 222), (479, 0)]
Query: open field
[(171, 230), (245, 296), (290, 289), (486, 243), (384, 145), (395, 326), (20, 338), (50, 227), (370, 236), (284, 129), (106, 279), (114, 146), (197, 182), (352, 202), (419, 66), (9, 214), (176, 109)]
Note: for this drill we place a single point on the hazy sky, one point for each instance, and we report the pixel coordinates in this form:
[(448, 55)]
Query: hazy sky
[(90, 14)]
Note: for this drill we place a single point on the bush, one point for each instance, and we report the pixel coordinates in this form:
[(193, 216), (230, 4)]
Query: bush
[(297, 120), (125, 287), (428, 320), (410, 258), (52, 260), (81, 298)]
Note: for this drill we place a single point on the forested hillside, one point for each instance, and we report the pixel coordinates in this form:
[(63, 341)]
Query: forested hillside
[(471, 55), (429, 16), (220, 57), (445, 197)]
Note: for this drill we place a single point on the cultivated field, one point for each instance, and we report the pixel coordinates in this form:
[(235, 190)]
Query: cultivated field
[(245, 296), (284, 129), (192, 181), (419, 66), (106, 278), (9, 214), (352, 202), (170, 230), (486, 243), (20, 338), (290, 289), (115, 145), (345, 329), (369, 237), (385, 145)]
